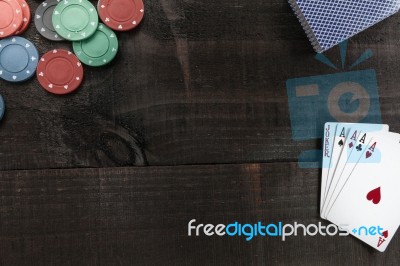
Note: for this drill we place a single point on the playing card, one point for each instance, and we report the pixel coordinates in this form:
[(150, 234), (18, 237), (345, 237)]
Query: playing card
[(337, 144), (354, 142), (327, 145), (367, 205)]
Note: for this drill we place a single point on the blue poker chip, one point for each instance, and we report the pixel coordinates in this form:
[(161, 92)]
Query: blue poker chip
[(2, 107), (18, 59)]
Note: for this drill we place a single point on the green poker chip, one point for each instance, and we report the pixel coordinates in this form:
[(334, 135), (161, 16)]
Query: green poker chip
[(75, 20), (98, 50)]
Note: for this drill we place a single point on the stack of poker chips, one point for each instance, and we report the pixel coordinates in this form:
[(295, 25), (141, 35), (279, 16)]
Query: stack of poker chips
[(15, 16), (93, 44)]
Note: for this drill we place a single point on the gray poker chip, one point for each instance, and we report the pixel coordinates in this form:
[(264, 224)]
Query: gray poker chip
[(43, 20)]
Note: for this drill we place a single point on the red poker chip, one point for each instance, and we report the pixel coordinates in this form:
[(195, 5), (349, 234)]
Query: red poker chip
[(121, 15), (26, 16), (59, 72), (10, 17)]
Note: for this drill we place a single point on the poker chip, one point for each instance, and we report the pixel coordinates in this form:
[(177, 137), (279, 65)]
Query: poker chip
[(18, 59), (43, 20), (26, 16), (75, 20), (121, 15), (11, 17), (59, 72), (2, 108), (98, 50)]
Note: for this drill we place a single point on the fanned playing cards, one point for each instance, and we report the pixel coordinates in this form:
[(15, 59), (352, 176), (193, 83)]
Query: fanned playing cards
[(328, 23), (360, 181)]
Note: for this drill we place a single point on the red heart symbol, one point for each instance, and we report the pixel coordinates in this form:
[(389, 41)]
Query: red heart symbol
[(368, 154), (385, 234), (351, 145), (374, 195)]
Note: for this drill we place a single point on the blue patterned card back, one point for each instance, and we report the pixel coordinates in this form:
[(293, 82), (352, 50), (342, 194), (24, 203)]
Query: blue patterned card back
[(329, 22)]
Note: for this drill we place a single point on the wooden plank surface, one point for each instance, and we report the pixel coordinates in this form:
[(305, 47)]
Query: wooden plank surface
[(201, 84), (139, 216), (198, 82)]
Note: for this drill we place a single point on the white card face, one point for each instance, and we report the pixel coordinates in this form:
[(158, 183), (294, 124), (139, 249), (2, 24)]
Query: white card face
[(338, 143), (367, 205), (353, 147), (327, 147)]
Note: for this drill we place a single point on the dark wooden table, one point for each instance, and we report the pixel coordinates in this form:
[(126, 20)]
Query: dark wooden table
[(191, 121)]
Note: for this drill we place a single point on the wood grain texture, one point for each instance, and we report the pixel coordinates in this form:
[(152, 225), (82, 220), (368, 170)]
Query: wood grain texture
[(198, 82), (139, 216)]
